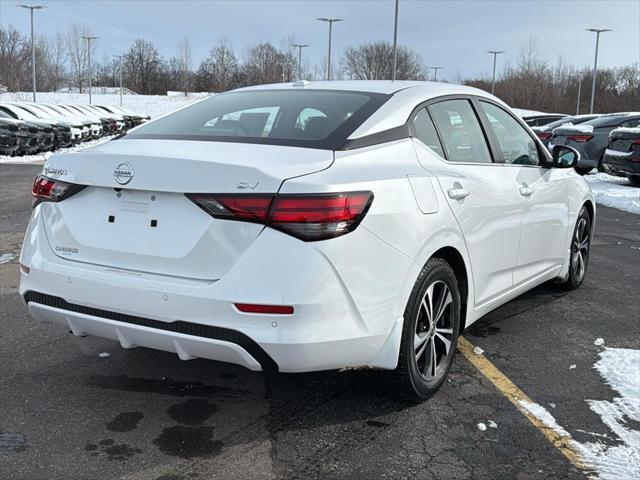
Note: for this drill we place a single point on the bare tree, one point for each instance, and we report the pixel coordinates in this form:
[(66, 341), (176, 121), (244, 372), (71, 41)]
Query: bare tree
[(77, 53), (219, 71), (57, 59), (266, 64), (185, 58), (144, 67), (15, 59), (374, 61)]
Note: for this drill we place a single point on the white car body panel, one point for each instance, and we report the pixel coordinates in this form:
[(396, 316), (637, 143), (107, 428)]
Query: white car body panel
[(349, 293)]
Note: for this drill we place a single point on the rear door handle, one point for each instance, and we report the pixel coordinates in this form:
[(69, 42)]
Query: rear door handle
[(457, 193), (526, 190)]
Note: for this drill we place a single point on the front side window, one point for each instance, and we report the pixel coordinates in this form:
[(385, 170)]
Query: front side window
[(306, 118), (460, 131), (426, 132), (516, 145)]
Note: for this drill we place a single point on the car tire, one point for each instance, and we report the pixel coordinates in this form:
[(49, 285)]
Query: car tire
[(579, 252), (582, 170), (634, 179), (415, 377)]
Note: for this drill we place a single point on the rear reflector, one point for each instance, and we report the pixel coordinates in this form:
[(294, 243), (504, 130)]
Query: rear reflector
[(25, 269), (48, 190), (265, 309), (307, 217), (580, 138)]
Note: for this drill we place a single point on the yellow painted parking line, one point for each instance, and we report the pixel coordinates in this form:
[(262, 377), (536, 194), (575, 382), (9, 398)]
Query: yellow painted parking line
[(515, 395)]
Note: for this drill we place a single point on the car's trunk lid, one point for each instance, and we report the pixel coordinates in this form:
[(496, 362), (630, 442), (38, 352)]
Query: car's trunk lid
[(133, 214)]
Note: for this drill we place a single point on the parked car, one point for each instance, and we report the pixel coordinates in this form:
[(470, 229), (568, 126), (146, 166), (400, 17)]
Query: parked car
[(45, 110), (10, 139), (67, 132), (307, 227), (622, 156), (132, 119), (591, 138), (60, 134), (544, 133), (31, 137), (538, 120)]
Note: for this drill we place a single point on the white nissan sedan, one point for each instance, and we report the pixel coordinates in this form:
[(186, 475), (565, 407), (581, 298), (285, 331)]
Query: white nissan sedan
[(307, 226)]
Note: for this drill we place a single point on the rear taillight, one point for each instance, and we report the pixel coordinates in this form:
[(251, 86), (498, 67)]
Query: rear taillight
[(49, 190), (580, 138), (544, 135), (635, 141), (307, 217)]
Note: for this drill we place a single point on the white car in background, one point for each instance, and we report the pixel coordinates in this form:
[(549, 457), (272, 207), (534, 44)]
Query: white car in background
[(307, 226)]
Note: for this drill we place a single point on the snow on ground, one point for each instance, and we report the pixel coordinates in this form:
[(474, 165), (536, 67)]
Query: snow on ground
[(152, 105), (620, 369), (616, 192)]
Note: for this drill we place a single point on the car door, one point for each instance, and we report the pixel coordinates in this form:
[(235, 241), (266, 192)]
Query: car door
[(480, 192), (543, 193)]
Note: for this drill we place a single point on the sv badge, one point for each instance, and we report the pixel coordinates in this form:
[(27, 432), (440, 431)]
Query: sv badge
[(245, 185)]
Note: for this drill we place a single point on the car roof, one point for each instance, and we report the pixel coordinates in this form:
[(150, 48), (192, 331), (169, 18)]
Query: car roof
[(405, 96)]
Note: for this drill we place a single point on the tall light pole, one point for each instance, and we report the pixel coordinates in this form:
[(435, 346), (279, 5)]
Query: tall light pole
[(395, 44), (597, 31), (330, 21), (88, 39), (579, 92), (495, 54), (300, 46), (33, 46), (119, 57), (435, 72)]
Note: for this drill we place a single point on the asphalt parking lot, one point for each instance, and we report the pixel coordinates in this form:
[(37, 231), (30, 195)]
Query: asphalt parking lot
[(68, 412)]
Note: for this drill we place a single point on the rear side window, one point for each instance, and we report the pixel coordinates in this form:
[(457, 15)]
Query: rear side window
[(460, 131), (631, 123), (516, 145), (426, 132), (305, 118)]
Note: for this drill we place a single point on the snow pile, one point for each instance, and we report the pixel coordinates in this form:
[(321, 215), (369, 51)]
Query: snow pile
[(616, 192), (7, 257), (634, 130), (570, 127), (526, 113), (620, 369)]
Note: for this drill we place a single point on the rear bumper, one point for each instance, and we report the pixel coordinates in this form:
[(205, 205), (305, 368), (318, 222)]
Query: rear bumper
[(622, 163), (197, 318)]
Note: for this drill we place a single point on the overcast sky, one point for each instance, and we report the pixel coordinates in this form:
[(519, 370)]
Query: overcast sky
[(454, 33)]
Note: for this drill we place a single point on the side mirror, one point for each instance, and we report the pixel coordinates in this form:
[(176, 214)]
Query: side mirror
[(564, 157)]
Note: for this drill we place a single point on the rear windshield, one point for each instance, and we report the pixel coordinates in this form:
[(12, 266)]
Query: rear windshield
[(304, 118)]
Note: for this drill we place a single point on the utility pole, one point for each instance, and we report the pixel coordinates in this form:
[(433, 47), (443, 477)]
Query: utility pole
[(495, 54), (435, 72), (33, 46), (300, 46), (119, 57), (330, 21), (597, 31), (395, 44), (579, 91), (88, 39)]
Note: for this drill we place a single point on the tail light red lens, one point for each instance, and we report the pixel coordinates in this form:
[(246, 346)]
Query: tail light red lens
[(49, 190), (635, 141), (248, 208), (318, 217), (307, 217), (580, 138), (544, 135)]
